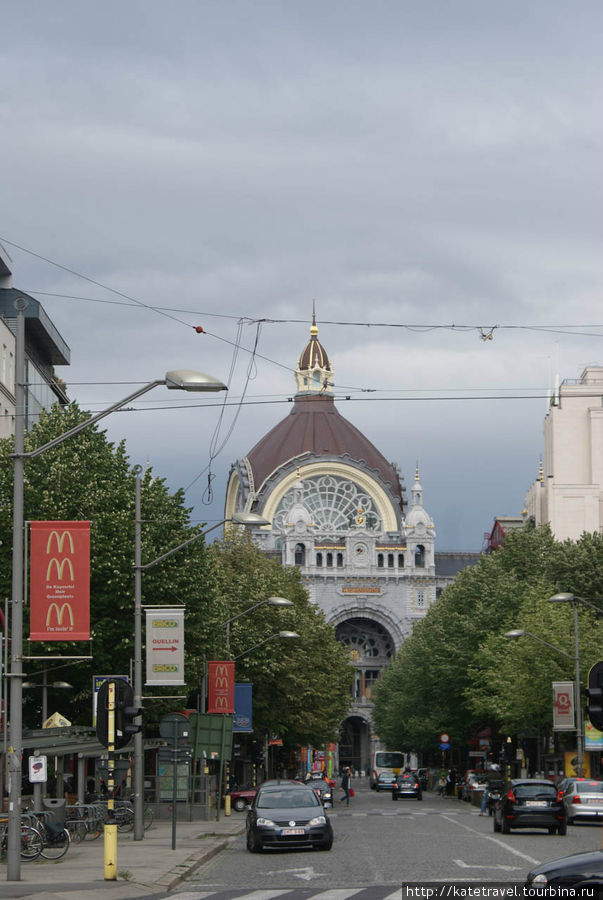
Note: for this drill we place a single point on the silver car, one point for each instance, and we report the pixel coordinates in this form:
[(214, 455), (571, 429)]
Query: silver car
[(583, 800)]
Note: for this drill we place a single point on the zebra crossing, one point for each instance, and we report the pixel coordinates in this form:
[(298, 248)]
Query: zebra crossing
[(375, 892)]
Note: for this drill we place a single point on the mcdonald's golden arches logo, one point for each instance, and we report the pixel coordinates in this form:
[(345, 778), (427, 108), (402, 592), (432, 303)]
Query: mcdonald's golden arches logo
[(59, 614), (59, 568), (60, 541)]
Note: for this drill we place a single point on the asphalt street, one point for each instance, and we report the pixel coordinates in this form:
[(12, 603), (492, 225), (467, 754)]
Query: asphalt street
[(378, 846)]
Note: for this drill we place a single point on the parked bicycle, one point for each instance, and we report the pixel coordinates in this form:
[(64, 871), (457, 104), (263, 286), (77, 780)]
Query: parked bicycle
[(31, 841)]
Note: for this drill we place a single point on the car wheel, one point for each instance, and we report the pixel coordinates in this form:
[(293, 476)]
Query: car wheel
[(326, 845), (505, 827), (240, 804), (562, 828), (252, 846), (552, 829), (496, 824)]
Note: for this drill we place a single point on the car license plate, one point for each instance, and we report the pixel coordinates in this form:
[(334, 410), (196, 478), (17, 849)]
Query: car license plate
[(536, 803), (292, 831)]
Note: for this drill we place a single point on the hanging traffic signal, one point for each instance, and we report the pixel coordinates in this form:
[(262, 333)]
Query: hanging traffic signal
[(595, 696), (124, 714)]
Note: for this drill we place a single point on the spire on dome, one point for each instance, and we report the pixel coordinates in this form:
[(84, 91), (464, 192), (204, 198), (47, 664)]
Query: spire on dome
[(314, 373)]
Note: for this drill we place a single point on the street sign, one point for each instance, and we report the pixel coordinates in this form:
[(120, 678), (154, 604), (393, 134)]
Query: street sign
[(444, 738), (38, 771), (175, 728)]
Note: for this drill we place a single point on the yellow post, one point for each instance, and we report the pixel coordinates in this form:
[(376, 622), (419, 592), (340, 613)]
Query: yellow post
[(227, 805), (110, 830)]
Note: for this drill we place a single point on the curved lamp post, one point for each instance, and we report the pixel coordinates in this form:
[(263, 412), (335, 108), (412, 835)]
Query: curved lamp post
[(271, 601), (284, 635), (516, 633), (181, 379)]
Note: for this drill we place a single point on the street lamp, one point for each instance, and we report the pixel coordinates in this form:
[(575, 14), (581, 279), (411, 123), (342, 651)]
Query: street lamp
[(271, 601), (182, 379), (245, 519), (284, 635), (60, 685), (576, 658)]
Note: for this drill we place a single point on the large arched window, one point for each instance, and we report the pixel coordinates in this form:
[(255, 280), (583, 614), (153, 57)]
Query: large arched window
[(300, 554), (335, 504), (420, 556)]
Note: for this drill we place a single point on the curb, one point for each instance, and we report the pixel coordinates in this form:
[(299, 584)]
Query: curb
[(178, 874)]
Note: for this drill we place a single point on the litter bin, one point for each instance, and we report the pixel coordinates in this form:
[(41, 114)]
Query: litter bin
[(58, 807)]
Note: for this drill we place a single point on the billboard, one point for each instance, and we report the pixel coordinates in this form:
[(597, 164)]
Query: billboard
[(243, 708), (165, 646), (59, 589), (220, 687), (563, 706)]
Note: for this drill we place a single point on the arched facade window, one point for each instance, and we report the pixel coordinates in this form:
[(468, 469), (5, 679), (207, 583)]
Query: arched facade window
[(400, 560), (329, 560), (300, 554), (380, 560), (340, 560), (420, 556), (319, 560), (390, 560)]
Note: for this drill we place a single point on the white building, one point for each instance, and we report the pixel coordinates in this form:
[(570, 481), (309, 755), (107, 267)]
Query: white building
[(569, 491), (338, 510)]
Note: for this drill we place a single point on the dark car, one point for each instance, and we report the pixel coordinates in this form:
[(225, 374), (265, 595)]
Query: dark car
[(579, 870), (530, 803), (407, 784), (322, 789), (423, 775), (287, 815), (583, 799), (385, 781), (319, 776)]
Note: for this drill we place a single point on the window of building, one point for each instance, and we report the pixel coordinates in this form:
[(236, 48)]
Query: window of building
[(420, 556), (329, 560), (390, 560), (319, 560), (300, 554), (420, 598), (340, 560), (380, 560), (400, 560)]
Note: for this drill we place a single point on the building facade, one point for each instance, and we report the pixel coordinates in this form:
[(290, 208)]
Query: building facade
[(568, 493), (340, 512), (44, 349)]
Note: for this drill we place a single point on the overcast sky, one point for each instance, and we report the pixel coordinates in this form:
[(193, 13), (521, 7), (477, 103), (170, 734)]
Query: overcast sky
[(406, 163)]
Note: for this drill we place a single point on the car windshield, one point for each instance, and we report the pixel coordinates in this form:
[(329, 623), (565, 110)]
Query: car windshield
[(535, 791), (287, 799), (589, 787), (407, 778)]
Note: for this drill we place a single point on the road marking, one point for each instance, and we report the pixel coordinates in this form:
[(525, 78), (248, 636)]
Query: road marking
[(336, 894), (494, 840), (263, 895), (464, 865), (306, 874)]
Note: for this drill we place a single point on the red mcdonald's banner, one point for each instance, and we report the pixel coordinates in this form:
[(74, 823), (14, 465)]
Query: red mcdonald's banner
[(60, 581), (221, 687)]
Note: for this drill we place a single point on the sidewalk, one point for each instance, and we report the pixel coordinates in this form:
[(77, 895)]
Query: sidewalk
[(145, 868)]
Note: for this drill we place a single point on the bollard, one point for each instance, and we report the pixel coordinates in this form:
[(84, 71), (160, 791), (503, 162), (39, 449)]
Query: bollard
[(227, 805)]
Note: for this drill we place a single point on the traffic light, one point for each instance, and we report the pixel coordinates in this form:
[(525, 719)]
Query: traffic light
[(595, 696), (124, 714)]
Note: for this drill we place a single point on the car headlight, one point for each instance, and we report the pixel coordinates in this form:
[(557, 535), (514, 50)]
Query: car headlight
[(539, 879), (318, 820), (267, 823)]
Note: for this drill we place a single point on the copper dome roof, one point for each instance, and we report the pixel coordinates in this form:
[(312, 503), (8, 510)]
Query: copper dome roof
[(315, 426), (314, 353)]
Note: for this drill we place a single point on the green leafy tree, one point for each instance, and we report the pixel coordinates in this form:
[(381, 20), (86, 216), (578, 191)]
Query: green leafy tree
[(89, 478), (301, 687), (438, 680)]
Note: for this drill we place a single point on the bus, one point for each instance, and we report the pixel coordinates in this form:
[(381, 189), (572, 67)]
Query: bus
[(386, 761)]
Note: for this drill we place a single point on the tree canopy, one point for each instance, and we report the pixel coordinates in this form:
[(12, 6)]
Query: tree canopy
[(456, 671)]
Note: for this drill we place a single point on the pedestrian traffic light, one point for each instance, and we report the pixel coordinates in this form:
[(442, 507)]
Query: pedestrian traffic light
[(595, 696), (124, 714)]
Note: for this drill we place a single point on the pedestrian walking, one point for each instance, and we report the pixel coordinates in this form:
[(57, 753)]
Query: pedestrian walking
[(345, 786)]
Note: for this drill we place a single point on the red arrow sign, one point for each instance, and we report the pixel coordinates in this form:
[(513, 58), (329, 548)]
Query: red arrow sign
[(169, 649)]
